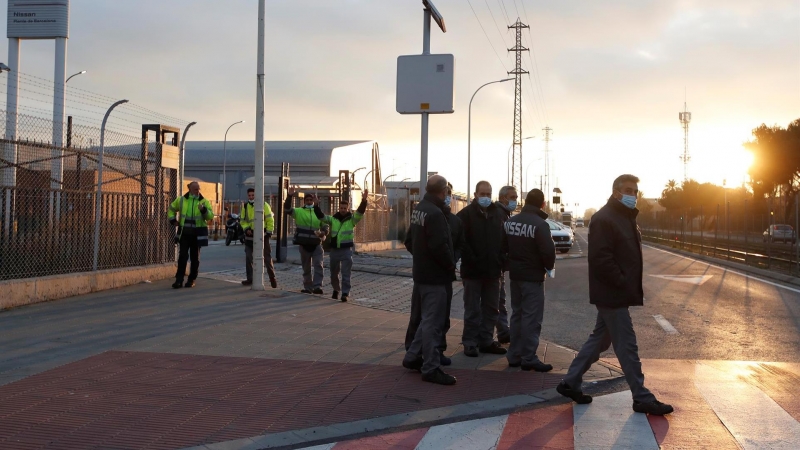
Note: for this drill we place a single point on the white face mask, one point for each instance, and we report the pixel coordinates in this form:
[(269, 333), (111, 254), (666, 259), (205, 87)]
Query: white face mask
[(447, 200), (484, 202)]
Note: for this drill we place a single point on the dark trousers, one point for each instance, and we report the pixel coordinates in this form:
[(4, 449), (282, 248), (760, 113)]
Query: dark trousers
[(189, 248), (480, 311), (433, 298), (614, 326), (248, 260), (502, 316), (416, 317)]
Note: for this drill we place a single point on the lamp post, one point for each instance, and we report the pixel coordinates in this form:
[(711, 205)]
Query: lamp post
[(387, 200), (75, 75), (469, 132), (224, 162), (365, 181)]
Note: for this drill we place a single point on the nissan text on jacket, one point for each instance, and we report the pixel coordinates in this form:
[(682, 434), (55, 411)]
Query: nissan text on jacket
[(530, 246), (615, 257), (429, 241), (482, 256)]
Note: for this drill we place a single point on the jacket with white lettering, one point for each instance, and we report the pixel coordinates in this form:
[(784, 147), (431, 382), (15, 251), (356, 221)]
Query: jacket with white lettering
[(429, 241), (529, 245)]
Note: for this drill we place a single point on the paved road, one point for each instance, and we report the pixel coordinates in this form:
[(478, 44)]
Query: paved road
[(717, 313)]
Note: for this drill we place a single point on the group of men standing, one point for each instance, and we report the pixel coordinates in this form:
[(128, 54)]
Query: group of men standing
[(491, 241), (485, 238), (313, 229)]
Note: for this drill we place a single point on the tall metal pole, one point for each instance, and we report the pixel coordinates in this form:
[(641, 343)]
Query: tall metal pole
[(516, 158), (59, 85), (469, 131), (423, 157), (12, 100), (258, 205), (99, 196)]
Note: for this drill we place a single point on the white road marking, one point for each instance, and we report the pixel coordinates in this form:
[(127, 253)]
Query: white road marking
[(691, 279), (726, 270), (751, 416), (610, 423), (472, 434), (320, 447), (665, 324)]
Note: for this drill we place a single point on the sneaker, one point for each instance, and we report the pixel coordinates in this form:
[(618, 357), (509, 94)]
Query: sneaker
[(445, 361), (654, 408), (439, 377), (246, 282), (413, 365), (345, 297), (494, 348), (335, 295), (577, 396), (471, 351), (318, 291), (537, 366), (504, 339), (177, 285), (189, 284), (305, 291), (274, 283)]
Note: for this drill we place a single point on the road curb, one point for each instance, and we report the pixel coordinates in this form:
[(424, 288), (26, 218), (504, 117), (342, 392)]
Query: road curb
[(399, 422)]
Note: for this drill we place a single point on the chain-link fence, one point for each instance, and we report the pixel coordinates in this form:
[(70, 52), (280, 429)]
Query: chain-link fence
[(49, 198), (761, 234)]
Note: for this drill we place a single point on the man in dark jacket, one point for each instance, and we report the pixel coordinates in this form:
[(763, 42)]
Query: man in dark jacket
[(428, 239), (531, 254), (507, 201), (457, 236), (615, 284), (482, 261)]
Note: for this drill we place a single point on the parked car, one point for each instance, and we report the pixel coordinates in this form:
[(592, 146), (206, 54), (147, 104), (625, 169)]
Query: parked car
[(561, 237), (780, 232)]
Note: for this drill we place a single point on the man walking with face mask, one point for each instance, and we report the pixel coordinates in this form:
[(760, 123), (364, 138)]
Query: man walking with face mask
[(507, 201), (615, 284), (482, 261), (248, 221), (308, 221), (343, 225)]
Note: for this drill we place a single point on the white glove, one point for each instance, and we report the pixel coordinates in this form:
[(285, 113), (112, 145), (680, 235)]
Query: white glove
[(551, 273)]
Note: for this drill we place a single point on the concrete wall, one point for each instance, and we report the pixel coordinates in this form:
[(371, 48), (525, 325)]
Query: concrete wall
[(34, 290)]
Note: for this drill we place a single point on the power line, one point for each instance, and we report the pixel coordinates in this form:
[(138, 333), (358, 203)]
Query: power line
[(535, 65), (487, 36), (495, 22)]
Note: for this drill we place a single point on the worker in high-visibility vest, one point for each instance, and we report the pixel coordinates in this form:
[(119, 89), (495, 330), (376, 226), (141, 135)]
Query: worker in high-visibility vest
[(307, 235), (194, 212), (247, 220), (343, 225)]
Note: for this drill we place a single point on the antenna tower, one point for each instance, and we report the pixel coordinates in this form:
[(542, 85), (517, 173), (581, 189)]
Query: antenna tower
[(516, 158), (547, 194), (685, 117)]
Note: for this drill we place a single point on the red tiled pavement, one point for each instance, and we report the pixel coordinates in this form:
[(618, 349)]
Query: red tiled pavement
[(545, 428), (405, 440), (157, 400)]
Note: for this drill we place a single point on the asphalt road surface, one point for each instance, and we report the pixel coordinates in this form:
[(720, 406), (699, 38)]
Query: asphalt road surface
[(715, 313)]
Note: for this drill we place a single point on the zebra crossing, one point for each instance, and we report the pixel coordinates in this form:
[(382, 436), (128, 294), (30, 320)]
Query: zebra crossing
[(718, 404)]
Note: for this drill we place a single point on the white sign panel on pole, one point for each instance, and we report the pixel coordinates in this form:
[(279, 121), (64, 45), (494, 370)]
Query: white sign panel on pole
[(425, 84), (37, 19)]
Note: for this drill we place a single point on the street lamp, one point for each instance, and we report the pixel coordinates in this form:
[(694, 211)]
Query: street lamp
[(74, 75), (225, 160), (365, 181), (469, 132), (528, 167), (508, 161)]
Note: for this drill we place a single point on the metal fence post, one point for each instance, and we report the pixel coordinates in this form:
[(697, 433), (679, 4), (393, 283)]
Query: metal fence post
[(716, 229), (728, 227), (701, 229), (99, 198), (794, 236), (744, 219)]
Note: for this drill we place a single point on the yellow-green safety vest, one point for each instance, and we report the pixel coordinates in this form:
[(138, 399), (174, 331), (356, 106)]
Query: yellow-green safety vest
[(306, 223), (248, 217), (342, 232)]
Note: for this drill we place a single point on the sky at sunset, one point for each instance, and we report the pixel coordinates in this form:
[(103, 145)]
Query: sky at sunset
[(612, 77)]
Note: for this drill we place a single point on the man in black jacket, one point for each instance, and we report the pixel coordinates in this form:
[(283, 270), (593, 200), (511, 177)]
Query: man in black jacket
[(615, 284), (457, 236), (531, 254), (507, 201), (428, 239), (482, 261)]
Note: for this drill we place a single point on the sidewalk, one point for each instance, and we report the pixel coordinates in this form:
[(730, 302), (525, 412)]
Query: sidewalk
[(147, 366)]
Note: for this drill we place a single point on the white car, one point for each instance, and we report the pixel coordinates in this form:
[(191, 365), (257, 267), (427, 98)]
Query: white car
[(562, 236)]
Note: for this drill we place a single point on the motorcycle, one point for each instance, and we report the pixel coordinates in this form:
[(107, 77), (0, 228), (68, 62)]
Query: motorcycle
[(234, 231)]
